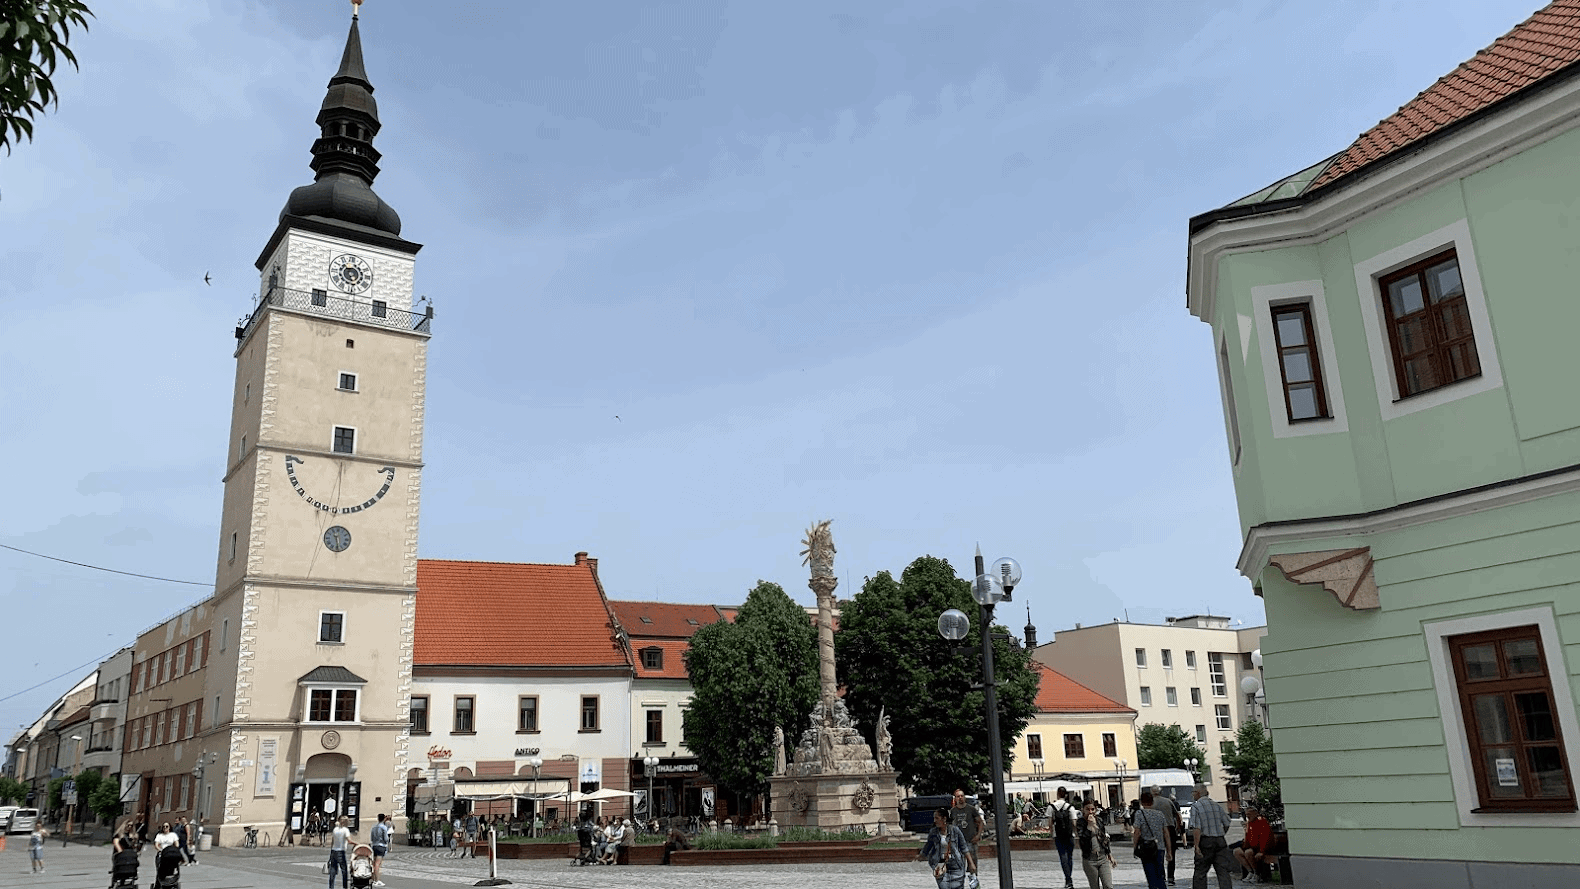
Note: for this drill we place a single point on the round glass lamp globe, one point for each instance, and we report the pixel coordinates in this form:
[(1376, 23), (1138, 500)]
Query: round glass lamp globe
[(1007, 570), (954, 625), (1250, 685), (987, 590), (1256, 658)]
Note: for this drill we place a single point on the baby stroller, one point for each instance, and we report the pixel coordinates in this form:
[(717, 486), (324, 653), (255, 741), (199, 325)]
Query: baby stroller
[(123, 870), (584, 845), (361, 867), (167, 868)]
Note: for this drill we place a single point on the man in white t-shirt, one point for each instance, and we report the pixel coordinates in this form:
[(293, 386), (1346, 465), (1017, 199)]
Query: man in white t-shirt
[(337, 854)]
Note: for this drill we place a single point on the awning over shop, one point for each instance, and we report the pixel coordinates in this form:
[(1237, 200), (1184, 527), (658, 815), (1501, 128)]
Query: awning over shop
[(1046, 786), (513, 788)]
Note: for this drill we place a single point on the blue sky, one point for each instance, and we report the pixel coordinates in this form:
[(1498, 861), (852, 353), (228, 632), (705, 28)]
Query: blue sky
[(914, 267)]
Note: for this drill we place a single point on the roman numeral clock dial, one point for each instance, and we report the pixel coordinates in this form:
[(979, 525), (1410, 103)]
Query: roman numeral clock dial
[(337, 538)]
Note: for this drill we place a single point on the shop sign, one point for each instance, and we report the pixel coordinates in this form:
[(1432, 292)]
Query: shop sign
[(677, 768), (437, 752), (525, 751), (591, 771)]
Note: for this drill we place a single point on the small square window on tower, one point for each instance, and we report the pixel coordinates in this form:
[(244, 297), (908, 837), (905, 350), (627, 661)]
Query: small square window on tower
[(348, 382), (380, 309), (320, 297), (345, 440)]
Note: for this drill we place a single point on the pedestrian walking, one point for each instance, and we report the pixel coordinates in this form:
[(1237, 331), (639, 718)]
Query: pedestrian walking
[(945, 851), (471, 833), (1097, 856), (964, 814), (337, 854), (35, 848), (379, 839), (1171, 818), (1209, 821), (1064, 835), (184, 840), (1148, 835), (456, 828)]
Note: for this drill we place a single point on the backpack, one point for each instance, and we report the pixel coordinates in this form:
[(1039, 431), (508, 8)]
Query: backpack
[(1064, 822)]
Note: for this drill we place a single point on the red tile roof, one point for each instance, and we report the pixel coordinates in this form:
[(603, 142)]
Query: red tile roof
[(509, 614), (664, 619), (1539, 46), (674, 658), (1058, 693)]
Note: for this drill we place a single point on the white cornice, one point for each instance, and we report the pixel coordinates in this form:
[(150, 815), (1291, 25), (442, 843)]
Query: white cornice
[(1262, 540), (1528, 122)]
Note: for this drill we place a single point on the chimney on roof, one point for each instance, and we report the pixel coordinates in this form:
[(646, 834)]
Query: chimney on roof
[(583, 559)]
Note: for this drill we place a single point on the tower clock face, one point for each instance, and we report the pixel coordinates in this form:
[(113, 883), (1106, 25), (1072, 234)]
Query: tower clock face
[(337, 539), (350, 273)]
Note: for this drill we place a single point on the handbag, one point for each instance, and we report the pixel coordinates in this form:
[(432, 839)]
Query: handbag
[(1146, 847)]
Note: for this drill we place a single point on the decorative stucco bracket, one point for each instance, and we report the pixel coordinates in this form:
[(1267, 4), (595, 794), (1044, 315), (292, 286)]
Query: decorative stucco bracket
[(1346, 573)]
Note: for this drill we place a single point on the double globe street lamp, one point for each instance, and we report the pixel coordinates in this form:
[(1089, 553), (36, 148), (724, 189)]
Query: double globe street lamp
[(650, 765), (990, 588)]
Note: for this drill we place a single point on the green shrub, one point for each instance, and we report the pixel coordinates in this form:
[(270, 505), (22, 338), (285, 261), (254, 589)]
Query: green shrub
[(799, 834), (715, 841)]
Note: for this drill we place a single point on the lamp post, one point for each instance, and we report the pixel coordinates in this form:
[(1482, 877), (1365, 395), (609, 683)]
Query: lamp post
[(989, 589), (1120, 766), (1191, 765), (649, 765), (76, 763), (1261, 689), (537, 763)]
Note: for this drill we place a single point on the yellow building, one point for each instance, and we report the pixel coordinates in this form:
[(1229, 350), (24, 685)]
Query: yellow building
[(1077, 739)]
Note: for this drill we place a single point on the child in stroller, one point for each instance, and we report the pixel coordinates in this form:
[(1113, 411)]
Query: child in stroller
[(361, 866), (123, 869), (585, 854), (167, 868)]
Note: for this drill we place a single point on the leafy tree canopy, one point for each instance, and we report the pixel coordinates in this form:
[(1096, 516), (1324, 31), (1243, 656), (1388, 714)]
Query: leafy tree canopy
[(748, 677), (55, 787), (890, 657), (87, 783), (12, 791), (1249, 757), (1161, 746), (33, 38), (105, 799)]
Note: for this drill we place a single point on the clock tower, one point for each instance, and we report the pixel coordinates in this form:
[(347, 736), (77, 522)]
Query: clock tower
[(315, 594)]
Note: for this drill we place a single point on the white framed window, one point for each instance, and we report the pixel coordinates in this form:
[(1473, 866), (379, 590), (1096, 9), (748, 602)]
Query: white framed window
[(1267, 301), (347, 381), (1166, 657), (1374, 317), (332, 627), (1190, 660), (1221, 711), (344, 440), (1231, 413), (1141, 657), (333, 704), (1146, 696), (1451, 710), (1171, 696), (1220, 685), (1195, 697), (1201, 734)]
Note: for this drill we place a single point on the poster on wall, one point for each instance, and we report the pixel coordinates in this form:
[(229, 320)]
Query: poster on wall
[(1508, 773), (707, 802), (265, 776), (131, 788)]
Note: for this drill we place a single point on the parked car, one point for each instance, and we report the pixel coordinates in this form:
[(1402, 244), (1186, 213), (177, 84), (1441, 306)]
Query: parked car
[(916, 812), (5, 818), (22, 821)]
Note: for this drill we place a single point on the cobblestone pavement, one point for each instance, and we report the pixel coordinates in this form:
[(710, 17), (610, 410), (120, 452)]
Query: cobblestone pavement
[(81, 867)]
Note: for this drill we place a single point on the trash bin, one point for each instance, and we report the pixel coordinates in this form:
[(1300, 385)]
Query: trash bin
[(205, 841)]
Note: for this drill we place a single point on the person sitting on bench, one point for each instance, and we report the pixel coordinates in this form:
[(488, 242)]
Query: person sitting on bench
[(1258, 844)]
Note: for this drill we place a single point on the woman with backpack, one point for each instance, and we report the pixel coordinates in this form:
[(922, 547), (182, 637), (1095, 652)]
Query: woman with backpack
[(1097, 857)]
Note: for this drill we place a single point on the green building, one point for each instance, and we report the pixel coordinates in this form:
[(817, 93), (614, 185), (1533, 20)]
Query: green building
[(1397, 333)]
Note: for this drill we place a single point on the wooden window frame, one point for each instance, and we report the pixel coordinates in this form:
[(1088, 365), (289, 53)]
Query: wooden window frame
[(324, 623), (1034, 746), (427, 712), (656, 662), (1467, 689), (650, 722), (1313, 357), (455, 715), (1439, 345), (1110, 744), (1074, 745), (596, 711), (521, 713)]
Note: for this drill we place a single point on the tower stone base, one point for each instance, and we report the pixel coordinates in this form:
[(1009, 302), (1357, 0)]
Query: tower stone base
[(837, 801)]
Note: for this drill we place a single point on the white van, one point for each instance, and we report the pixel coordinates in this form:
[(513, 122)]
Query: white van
[(1175, 784), (22, 821), (5, 817)]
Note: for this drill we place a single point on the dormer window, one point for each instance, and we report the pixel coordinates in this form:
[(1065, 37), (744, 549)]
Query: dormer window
[(653, 658)]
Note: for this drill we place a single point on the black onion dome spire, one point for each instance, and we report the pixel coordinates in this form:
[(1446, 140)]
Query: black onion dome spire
[(344, 158)]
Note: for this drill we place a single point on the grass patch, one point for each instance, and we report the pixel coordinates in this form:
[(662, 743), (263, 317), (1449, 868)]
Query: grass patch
[(717, 841), (799, 834)]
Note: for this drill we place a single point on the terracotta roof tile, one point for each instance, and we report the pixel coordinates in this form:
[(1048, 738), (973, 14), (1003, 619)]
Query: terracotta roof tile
[(1546, 42), (508, 614), (663, 619), (1058, 693), (674, 658)]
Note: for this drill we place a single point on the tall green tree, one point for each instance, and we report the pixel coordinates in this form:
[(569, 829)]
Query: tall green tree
[(105, 800), (748, 677), (1161, 746), (1249, 758), (891, 658), (12, 790), (33, 38)]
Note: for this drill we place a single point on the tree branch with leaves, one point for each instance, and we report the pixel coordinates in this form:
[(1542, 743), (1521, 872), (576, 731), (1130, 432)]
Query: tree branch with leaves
[(33, 40)]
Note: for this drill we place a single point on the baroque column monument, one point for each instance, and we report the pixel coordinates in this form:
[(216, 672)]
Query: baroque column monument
[(833, 781)]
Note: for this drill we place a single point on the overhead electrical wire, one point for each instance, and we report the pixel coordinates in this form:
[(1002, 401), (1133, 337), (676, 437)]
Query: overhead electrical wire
[(98, 568), (97, 660)]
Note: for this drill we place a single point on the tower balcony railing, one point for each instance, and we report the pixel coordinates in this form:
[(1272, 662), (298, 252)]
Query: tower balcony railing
[(329, 305)]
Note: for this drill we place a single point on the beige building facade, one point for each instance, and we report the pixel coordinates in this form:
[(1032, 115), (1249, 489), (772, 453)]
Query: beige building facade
[(1186, 672)]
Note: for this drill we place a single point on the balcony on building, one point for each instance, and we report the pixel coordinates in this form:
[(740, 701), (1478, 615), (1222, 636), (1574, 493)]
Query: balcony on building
[(338, 307)]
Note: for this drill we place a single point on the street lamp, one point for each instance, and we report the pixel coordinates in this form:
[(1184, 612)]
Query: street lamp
[(649, 765), (76, 766), (537, 763), (1191, 765), (1120, 765), (990, 588)]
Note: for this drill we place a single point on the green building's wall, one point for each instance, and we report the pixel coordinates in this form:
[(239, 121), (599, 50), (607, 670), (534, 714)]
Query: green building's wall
[(1355, 716), (1357, 728)]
